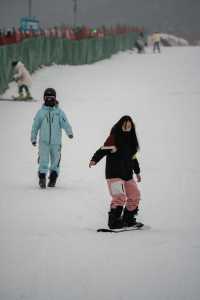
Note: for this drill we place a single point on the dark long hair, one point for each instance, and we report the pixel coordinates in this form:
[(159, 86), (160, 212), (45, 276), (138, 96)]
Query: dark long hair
[(131, 137)]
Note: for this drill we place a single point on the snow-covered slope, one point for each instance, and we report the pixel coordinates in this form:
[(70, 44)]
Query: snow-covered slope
[(49, 247)]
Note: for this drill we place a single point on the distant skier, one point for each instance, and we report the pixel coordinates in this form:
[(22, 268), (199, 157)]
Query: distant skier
[(120, 150), (156, 41), (140, 43), (49, 122), (23, 79)]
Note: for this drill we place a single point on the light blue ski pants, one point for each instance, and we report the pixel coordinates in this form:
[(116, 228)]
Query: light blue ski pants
[(49, 158)]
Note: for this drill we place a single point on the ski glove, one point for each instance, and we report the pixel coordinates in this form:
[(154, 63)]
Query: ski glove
[(34, 144), (71, 136)]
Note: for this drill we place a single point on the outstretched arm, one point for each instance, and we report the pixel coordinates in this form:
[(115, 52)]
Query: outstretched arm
[(108, 148), (98, 155)]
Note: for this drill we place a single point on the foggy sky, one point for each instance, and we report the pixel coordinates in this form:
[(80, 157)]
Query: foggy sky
[(162, 15)]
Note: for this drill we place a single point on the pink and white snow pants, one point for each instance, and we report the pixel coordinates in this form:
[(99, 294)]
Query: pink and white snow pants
[(124, 193)]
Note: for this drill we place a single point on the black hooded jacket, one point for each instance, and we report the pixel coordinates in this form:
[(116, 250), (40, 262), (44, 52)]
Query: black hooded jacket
[(120, 161)]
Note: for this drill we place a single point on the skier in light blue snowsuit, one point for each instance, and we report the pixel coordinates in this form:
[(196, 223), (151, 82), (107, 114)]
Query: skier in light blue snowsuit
[(49, 122)]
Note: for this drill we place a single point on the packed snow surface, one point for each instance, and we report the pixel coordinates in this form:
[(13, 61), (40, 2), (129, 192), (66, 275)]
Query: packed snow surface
[(49, 247)]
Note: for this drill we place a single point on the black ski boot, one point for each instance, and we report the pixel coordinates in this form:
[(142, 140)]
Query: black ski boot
[(128, 218), (114, 218), (52, 179), (42, 180)]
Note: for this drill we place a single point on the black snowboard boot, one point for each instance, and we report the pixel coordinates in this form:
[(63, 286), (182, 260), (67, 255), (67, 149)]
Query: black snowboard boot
[(128, 218), (52, 179), (114, 218), (42, 180)]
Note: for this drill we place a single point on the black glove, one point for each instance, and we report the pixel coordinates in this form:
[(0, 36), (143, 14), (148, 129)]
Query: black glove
[(71, 136), (34, 144)]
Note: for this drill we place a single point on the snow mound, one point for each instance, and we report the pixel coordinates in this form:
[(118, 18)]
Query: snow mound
[(170, 40)]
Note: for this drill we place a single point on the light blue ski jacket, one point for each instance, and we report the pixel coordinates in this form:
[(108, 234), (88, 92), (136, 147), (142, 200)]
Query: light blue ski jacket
[(50, 121)]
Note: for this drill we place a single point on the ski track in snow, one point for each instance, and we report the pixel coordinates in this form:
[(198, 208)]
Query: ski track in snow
[(49, 247)]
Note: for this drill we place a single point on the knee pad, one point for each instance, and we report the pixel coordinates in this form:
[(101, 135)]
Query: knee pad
[(117, 188)]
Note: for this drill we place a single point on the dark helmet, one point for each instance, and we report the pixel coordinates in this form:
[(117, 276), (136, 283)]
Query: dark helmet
[(50, 97), (50, 92), (14, 63)]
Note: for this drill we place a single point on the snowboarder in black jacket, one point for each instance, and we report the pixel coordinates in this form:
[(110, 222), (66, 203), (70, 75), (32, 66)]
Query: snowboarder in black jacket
[(120, 149)]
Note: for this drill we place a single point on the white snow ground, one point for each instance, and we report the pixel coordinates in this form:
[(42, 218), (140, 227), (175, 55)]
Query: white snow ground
[(49, 247)]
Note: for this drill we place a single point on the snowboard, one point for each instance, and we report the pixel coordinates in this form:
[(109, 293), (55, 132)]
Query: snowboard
[(137, 226), (18, 100)]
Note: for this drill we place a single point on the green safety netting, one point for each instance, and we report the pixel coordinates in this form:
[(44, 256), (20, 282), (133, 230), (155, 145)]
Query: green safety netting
[(39, 51)]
